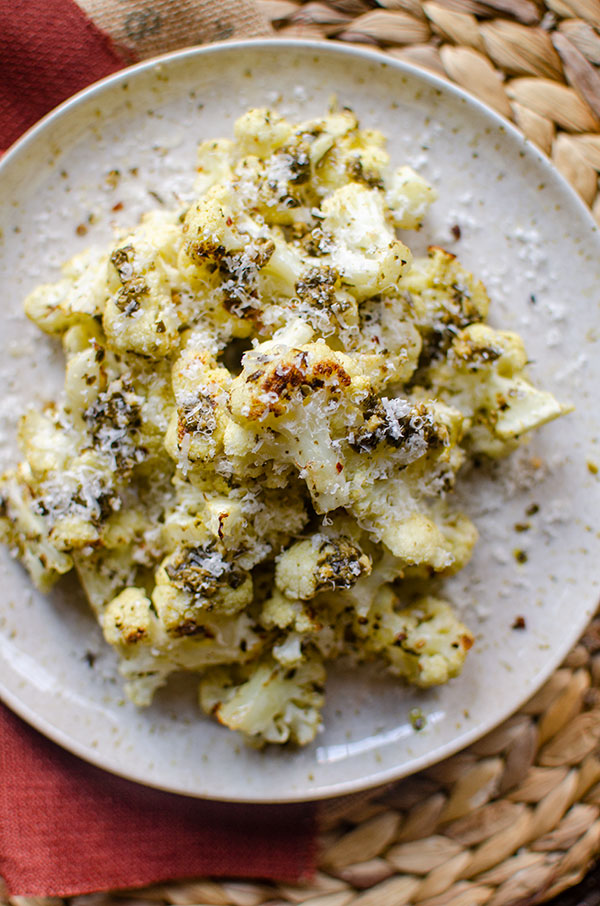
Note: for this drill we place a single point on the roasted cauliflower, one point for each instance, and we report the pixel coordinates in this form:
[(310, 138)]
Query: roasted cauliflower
[(267, 405)]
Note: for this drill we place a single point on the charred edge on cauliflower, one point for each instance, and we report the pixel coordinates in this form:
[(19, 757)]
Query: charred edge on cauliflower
[(379, 426), (282, 380)]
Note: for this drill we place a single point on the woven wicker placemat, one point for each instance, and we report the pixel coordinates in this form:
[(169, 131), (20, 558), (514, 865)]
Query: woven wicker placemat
[(514, 819), (534, 62)]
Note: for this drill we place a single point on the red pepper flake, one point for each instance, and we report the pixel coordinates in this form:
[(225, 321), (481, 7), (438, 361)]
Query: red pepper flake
[(338, 467), (519, 623), (81, 230), (455, 230), (229, 221), (118, 206)]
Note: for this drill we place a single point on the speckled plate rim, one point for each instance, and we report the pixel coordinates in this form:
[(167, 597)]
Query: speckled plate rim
[(36, 133)]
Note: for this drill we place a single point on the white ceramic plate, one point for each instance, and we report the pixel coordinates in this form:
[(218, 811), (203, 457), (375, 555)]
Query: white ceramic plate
[(521, 228)]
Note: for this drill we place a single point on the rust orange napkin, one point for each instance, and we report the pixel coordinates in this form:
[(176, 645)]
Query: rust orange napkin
[(66, 827), (50, 49)]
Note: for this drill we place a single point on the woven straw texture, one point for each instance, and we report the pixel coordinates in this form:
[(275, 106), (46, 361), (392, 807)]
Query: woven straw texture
[(535, 63), (515, 819)]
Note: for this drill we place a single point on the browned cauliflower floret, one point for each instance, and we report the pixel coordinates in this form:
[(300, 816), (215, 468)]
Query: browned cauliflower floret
[(197, 425), (143, 313), (424, 643), (194, 581), (149, 654), (294, 404), (445, 297), (320, 564), (483, 376), (267, 701)]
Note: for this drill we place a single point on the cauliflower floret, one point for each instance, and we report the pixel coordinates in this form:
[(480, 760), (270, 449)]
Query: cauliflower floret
[(261, 131), (302, 400), (107, 401), (286, 165), (144, 313), (59, 501), (282, 612), (266, 701), (324, 303), (250, 522), (408, 197), (323, 622), (424, 643), (222, 256), (275, 189), (483, 376), (363, 247), (324, 133), (445, 298), (46, 445), (78, 298), (148, 654), (69, 505), (25, 530), (197, 425), (280, 274), (213, 163), (131, 627), (211, 226), (104, 574), (186, 516), (405, 452), (388, 341), (320, 564), (127, 550), (359, 156), (193, 581)]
